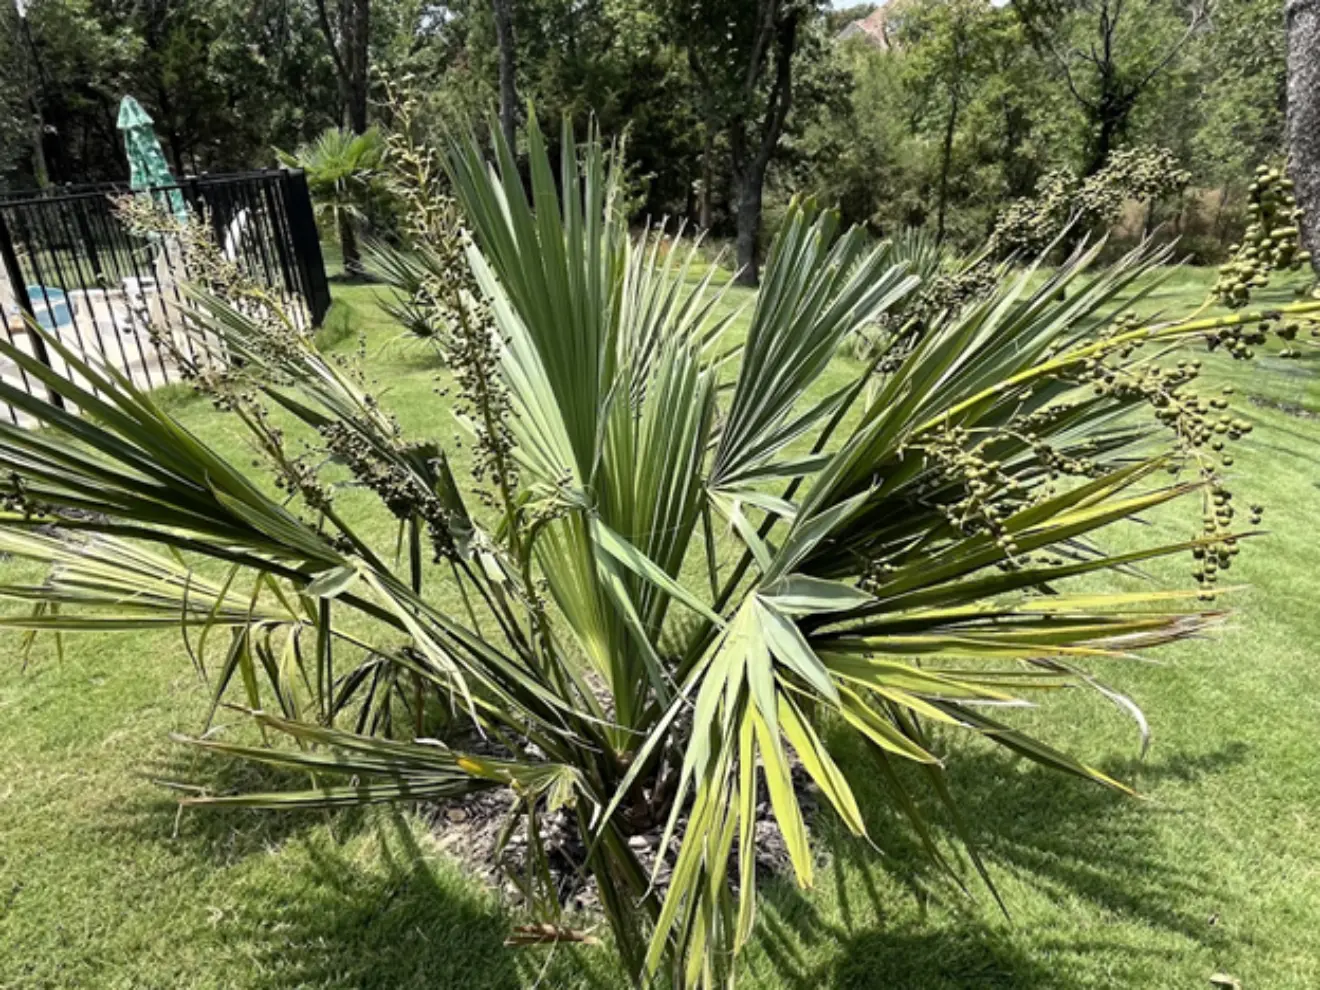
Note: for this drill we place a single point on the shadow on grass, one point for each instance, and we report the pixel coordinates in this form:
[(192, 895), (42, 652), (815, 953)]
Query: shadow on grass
[(392, 922), (369, 908), (396, 920), (913, 957), (357, 904), (221, 835), (1069, 838)]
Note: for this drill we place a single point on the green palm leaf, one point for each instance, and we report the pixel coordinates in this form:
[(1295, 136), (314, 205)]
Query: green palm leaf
[(913, 569)]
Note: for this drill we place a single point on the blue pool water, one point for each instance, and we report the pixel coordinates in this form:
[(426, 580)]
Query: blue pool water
[(50, 306)]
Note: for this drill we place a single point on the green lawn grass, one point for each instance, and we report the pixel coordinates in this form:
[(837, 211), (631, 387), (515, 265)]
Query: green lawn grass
[(103, 885)]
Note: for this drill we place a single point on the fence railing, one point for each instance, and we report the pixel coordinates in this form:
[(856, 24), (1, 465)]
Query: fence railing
[(69, 263)]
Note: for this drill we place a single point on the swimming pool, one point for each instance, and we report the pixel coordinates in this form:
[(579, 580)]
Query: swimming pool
[(50, 306)]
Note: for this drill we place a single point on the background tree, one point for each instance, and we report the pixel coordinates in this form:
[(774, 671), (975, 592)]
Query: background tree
[(1108, 53), (225, 80), (15, 127), (1304, 115), (508, 65), (86, 57), (348, 38), (28, 85), (742, 56), (888, 154), (613, 63), (723, 122), (945, 41), (1241, 93)]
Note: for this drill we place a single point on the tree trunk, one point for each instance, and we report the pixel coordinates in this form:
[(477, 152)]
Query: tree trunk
[(39, 170), (1303, 17), (946, 161), (358, 43), (749, 167), (40, 166), (508, 65), (1220, 202), (707, 175), (348, 245), (350, 49), (1104, 142), (748, 217)]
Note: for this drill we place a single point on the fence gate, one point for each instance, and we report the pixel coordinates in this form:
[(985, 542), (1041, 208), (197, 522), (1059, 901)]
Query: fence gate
[(68, 262)]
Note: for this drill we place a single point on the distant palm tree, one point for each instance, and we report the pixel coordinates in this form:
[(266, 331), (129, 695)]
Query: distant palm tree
[(342, 173)]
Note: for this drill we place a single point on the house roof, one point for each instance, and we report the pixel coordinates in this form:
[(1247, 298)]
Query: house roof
[(871, 28)]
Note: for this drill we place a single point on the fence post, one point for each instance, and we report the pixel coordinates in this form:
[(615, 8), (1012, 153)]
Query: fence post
[(306, 243), (19, 284)]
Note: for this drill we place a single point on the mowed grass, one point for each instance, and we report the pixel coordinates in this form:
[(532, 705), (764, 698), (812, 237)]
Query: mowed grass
[(104, 885)]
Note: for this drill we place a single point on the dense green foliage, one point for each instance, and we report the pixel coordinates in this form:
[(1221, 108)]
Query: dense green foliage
[(970, 105)]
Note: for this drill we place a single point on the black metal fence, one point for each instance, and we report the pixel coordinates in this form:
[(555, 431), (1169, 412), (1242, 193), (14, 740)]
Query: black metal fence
[(72, 266)]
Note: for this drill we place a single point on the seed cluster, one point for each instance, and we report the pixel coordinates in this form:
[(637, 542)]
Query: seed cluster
[(1216, 554), (897, 332), (1241, 340), (401, 490), (1030, 224), (1271, 242), (983, 496), (1062, 198), (1202, 424), (966, 479), (296, 474), (454, 300), (270, 344)]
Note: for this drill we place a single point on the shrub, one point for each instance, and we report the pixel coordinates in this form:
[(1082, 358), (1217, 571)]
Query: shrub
[(677, 570)]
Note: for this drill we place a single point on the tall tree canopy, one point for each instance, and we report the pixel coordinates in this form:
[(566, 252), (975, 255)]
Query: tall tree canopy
[(727, 107), (1109, 53)]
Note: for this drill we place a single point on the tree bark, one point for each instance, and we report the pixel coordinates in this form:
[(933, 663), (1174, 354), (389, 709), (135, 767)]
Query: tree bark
[(946, 162), (350, 52), (358, 42), (749, 167), (40, 171), (1109, 119), (40, 166), (951, 127), (707, 175), (508, 65), (709, 128), (1303, 20), (748, 220), (348, 246)]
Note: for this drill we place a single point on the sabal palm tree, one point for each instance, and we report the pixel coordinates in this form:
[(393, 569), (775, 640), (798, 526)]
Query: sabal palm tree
[(694, 553), (343, 175)]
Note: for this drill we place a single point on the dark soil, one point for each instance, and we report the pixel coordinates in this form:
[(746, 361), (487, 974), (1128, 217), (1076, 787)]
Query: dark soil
[(470, 828)]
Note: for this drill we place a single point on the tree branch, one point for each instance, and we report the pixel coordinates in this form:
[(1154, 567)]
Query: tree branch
[(323, 17), (1198, 18), (781, 93), (765, 30)]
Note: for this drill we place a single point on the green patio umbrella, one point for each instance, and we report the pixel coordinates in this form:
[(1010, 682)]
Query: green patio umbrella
[(146, 160)]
